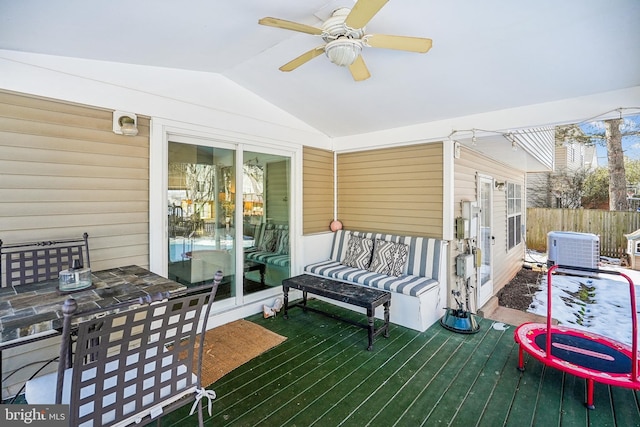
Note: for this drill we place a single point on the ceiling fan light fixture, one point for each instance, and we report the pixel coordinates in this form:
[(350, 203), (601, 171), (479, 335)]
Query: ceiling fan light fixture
[(343, 51)]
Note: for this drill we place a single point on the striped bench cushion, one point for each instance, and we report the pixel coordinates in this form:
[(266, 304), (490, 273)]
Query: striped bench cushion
[(421, 271), (279, 257), (405, 284), (423, 258), (268, 258)]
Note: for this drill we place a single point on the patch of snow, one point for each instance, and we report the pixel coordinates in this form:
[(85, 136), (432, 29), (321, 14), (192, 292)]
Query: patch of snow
[(596, 304)]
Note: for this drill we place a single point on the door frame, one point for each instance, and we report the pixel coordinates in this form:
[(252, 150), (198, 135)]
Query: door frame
[(485, 239), (161, 132)]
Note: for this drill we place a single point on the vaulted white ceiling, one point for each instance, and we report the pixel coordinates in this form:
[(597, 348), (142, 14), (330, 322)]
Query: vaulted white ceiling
[(487, 55)]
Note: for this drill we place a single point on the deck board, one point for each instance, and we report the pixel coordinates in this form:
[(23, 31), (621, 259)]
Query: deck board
[(323, 375), (526, 399), (625, 406), (480, 392), (458, 393), (549, 405)]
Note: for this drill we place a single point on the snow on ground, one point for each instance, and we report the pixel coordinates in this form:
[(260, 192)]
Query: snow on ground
[(600, 305)]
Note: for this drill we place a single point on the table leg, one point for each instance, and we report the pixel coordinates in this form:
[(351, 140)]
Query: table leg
[(386, 318), (371, 328), (285, 290), (262, 269), (304, 301)]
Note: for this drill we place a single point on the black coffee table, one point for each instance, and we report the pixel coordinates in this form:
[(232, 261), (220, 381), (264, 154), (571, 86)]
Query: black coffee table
[(360, 296)]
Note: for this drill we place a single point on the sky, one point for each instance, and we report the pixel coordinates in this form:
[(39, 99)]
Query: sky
[(609, 311), (630, 144)]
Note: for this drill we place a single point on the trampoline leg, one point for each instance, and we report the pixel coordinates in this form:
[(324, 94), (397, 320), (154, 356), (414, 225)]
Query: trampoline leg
[(520, 359), (590, 404)]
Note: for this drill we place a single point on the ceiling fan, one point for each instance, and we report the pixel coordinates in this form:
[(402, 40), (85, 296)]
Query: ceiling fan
[(344, 36)]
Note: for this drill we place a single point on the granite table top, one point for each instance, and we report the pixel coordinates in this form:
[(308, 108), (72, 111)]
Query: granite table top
[(33, 311)]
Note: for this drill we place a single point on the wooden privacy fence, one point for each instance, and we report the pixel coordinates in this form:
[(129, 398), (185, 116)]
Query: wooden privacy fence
[(610, 226)]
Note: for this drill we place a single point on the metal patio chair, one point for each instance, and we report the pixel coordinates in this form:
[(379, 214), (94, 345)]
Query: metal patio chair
[(31, 262), (131, 364)]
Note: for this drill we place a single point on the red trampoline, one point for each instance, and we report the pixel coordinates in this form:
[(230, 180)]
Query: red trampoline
[(581, 353)]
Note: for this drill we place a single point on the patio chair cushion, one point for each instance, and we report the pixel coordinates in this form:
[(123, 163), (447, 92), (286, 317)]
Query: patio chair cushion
[(42, 391)]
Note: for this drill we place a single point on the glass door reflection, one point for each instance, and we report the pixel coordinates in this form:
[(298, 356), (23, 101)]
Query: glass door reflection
[(201, 212), (212, 206), (265, 215)]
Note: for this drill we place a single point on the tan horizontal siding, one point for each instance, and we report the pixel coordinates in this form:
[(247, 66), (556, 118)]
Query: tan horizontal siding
[(317, 182), (277, 192), (64, 207), (20, 359), (64, 172), (65, 145), (467, 167), (82, 195), (68, 159), (393, 190)]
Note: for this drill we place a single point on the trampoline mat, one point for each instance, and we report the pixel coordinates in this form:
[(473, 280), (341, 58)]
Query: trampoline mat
[(586, 352)]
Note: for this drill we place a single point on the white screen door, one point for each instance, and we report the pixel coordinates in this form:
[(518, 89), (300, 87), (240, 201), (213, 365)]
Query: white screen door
[(485, 239)]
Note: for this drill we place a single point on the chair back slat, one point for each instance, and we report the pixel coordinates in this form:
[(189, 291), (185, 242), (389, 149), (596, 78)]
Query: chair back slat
[(22, 263), (138, 361)]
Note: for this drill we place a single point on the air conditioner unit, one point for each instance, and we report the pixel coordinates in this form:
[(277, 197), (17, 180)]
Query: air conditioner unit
[(573, 249)]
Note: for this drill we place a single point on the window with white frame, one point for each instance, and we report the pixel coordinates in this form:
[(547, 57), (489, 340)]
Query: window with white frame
[(514, 214), (638, 247)]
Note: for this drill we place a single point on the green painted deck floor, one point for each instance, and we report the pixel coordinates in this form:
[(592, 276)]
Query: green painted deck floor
[(323, 375)]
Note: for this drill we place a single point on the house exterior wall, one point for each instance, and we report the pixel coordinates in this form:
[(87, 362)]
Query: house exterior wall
[(395, 190), (569, 157), (538, 190), (318, 190), (64, 172), (382, 189), (470, 164)]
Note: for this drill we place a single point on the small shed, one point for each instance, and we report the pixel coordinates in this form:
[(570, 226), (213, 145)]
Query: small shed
[(633, 249)]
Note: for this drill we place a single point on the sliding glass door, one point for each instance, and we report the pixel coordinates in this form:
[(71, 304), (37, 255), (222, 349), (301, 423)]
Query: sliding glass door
[(265, 218), (201, 206), (229, 218)]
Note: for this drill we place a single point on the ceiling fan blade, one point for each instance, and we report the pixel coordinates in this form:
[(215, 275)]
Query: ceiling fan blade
[(302, 59), (359, 70), (288, 25), (411, 44), (362, 12)]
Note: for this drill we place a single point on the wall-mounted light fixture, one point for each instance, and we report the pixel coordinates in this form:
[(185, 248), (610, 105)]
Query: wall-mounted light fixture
[(499, 185), (125, 123)]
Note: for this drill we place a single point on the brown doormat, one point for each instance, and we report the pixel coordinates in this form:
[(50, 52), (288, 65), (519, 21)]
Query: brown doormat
[(234, 344)]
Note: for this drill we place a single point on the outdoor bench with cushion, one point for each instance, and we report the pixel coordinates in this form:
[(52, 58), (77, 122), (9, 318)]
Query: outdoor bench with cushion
[(412, 268), (271, 248)]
